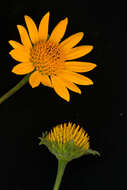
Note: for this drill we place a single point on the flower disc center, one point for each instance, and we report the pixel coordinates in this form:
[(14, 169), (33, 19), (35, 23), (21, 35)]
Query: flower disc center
[(47, 57)]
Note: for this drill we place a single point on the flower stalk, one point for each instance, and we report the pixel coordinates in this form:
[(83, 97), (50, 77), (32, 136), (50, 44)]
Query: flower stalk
[(14, 89), (61, 168)]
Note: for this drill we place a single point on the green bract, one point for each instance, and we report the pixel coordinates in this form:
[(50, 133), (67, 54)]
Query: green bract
[(67, 151)]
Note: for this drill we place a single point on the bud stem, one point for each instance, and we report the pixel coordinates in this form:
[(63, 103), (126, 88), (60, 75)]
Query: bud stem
[(61, 167), (14, 89)]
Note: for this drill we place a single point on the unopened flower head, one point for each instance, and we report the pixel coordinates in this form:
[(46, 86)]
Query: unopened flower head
[(48, 60), (67, 141)]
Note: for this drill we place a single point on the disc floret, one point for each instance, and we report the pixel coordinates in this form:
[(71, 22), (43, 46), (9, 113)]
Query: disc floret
[(67, 142), (47, 57)]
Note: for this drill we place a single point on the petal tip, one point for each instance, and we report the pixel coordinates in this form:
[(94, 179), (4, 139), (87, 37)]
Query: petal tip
[(66, 19), (14, 70), (26, 17), (79, 92), (94, 66), (91, 46), (82, 34), (91, 83), (11, 52), (34, 86), (68, 99), (10, 42), (18, 26), (48, 13)]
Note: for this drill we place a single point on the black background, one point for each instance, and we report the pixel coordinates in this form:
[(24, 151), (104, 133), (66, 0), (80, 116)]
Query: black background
[(29, 112)]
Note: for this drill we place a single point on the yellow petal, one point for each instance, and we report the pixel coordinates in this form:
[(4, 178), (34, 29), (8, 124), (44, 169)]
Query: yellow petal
[(24, 36), (78, 52), (59, 31), (20, 54), (23, 68), (79, 66), (33, 32), (60, 88), (43, 27), (15, 44), (71, 86), (76, 78), (46, 81), (71, 41), (35, 79)]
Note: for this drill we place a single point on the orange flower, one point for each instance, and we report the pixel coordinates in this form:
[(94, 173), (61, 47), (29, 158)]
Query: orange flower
[(49, 60)]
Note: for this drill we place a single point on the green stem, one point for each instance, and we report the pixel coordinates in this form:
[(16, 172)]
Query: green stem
[(61, 167), (14, 89)]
